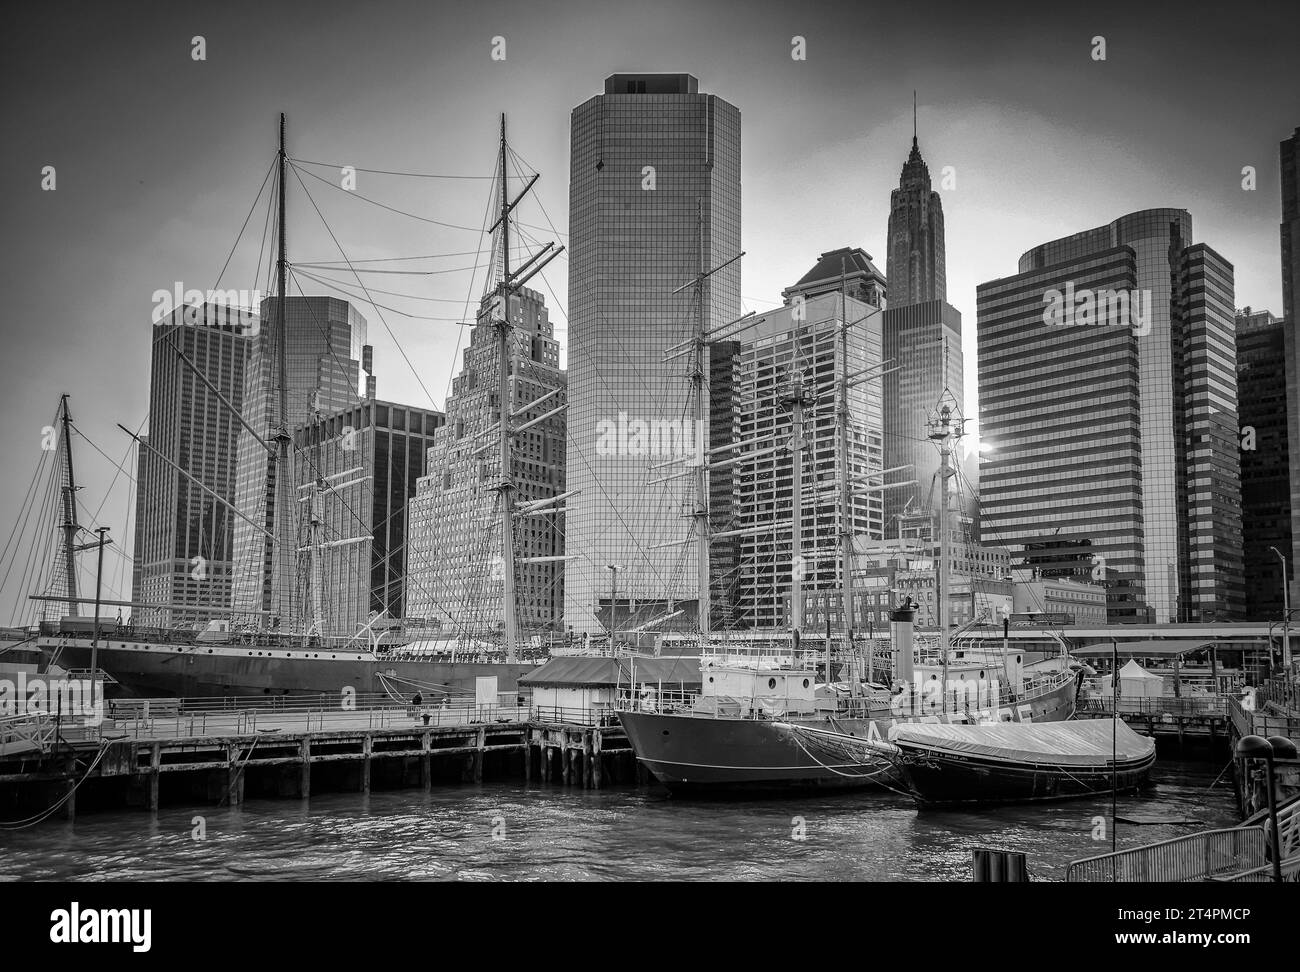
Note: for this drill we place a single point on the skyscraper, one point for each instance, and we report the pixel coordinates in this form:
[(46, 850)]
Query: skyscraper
[(915, 263), (185, 534), (1290, 232), (922, 340), (773, 349), (326, 340), (1108, 395), (454, 562), (356, 470), (654, 198), (1265, 490)]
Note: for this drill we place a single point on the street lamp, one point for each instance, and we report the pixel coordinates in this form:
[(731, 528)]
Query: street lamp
[(1286, 615), (613, 602), (1274, 747)]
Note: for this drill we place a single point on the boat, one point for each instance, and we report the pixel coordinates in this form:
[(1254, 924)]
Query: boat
[(281, 652), (735, 736), (946, 765)]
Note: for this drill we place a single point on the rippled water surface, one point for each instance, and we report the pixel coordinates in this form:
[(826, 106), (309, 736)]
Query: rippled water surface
[(623, 833)]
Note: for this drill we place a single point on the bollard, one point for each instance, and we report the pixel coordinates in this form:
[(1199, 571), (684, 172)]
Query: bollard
[(997, 866)]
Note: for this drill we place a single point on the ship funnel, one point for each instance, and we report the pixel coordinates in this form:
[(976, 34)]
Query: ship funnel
[(901, 620)]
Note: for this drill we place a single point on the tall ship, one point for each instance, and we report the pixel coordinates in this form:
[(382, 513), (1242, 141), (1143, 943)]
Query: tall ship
[(289, 649), (735, 736)]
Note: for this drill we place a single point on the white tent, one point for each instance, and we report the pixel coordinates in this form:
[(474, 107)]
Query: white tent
[(1135, 682)]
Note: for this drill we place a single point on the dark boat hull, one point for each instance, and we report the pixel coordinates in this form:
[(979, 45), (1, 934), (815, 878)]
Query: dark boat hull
[(224, 671), (946, 779), (703, 755)]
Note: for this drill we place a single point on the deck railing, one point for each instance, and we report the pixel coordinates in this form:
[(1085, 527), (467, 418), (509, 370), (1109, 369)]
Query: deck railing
[(1197, 857)]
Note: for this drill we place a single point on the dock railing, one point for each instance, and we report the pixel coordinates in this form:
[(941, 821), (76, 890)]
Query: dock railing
[(1193, 706), (1207, 856)]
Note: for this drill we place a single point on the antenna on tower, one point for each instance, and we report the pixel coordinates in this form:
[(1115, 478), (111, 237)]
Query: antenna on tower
[(913, 116)]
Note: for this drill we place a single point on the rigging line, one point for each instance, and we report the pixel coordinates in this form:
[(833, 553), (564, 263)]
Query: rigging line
[(416, 175), (424, 256), (24, 515), (374, 202), (519, 162), (262, 247), (239, 237), (41, 458), (391, 293), (395, 273), (342, 253), (358, 298)]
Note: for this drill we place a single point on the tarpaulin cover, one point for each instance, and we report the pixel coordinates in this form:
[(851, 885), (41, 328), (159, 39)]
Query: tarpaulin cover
[(1082, 743)]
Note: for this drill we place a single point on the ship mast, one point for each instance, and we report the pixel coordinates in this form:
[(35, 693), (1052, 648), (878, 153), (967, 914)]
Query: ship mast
[(795, 395), (70, 525), (511, 283), (845, 493), (283, 557), (698, 414), (943, 432)]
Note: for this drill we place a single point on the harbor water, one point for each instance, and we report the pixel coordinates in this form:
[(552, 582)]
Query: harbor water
[(512, 832)]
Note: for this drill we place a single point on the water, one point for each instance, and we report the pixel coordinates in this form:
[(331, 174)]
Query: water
[(548, 832)]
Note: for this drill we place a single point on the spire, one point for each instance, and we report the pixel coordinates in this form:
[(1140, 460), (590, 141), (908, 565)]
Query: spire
[(914, 119)]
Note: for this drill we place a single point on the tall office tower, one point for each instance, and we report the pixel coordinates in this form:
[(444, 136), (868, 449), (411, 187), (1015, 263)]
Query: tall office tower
[(326, 340), (454, 563), (915, 264), (772, 349), (356, 470), (1290, 232), (1265, 487), (1108, 394), (654, 196), (185, 534)]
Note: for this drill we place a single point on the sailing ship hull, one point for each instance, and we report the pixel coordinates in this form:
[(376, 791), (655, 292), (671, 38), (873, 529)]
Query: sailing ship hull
[(162, 670), (707, 755)]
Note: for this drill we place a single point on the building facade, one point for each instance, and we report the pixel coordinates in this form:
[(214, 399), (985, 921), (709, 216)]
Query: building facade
[(184, 536), (454, 562), (1290, 234), (776, 347), (1265, 452), (915, 264), (1071, 601), (326, 342), (356, 471), (654, 194), (1108, 395)]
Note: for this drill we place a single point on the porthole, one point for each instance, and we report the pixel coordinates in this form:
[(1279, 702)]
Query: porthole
[(771, 683), (805, 685), (665, 732), (710, 678)]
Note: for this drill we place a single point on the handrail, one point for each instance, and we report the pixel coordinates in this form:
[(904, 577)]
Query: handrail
[(1195, 857)]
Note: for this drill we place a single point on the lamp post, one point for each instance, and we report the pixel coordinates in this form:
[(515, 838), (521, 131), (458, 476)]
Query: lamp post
[(94, 645), (613, 603), (1286, 616), (1257, 747)]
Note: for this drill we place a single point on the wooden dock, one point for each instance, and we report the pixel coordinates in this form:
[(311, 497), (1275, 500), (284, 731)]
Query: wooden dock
[(221, 758)]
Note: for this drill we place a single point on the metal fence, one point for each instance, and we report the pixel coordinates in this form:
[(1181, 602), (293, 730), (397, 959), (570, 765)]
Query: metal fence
[(1207, 856)]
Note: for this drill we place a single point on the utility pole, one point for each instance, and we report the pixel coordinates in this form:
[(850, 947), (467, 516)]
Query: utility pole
[(70, 525)]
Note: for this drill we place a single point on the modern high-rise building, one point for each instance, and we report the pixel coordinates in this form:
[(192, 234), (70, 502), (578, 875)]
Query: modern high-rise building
[(654, 199), (356, 471), (326, 342), (802, 338), (454, 562), (184, 534), (1265, 486), (1290, 232), (915, 262), (1108, 395)]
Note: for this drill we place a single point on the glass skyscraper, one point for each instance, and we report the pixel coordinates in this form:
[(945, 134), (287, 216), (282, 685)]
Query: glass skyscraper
[(1290, 233), (1108, 394), (326, 342), (654, 193), (185, 536)]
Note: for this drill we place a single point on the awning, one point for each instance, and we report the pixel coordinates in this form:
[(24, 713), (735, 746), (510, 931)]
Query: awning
[(1144, 649)]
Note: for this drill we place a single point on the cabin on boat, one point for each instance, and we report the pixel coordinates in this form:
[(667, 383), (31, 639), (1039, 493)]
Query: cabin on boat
[(575, 688)]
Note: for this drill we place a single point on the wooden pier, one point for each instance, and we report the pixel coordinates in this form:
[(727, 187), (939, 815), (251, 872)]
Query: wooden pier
[(170, 756), (1203, 719)]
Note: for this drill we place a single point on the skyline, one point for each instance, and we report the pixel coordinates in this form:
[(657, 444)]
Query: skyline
[(146, 208)]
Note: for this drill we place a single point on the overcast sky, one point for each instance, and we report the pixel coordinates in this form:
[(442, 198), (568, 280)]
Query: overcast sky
[(158, 157)]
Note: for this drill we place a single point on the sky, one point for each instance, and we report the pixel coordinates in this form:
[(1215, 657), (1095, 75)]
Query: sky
[(158, 159)]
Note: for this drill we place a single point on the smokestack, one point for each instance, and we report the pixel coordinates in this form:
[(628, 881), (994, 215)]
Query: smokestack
[(901, 621)]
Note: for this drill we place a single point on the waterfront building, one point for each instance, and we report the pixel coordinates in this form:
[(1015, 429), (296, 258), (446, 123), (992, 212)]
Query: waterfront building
[(1108, 395), (184, 535), (654, 194), (454, 563), (803, 338), (356, 470), (1265, 486), (1058, 598), (326, 342)]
